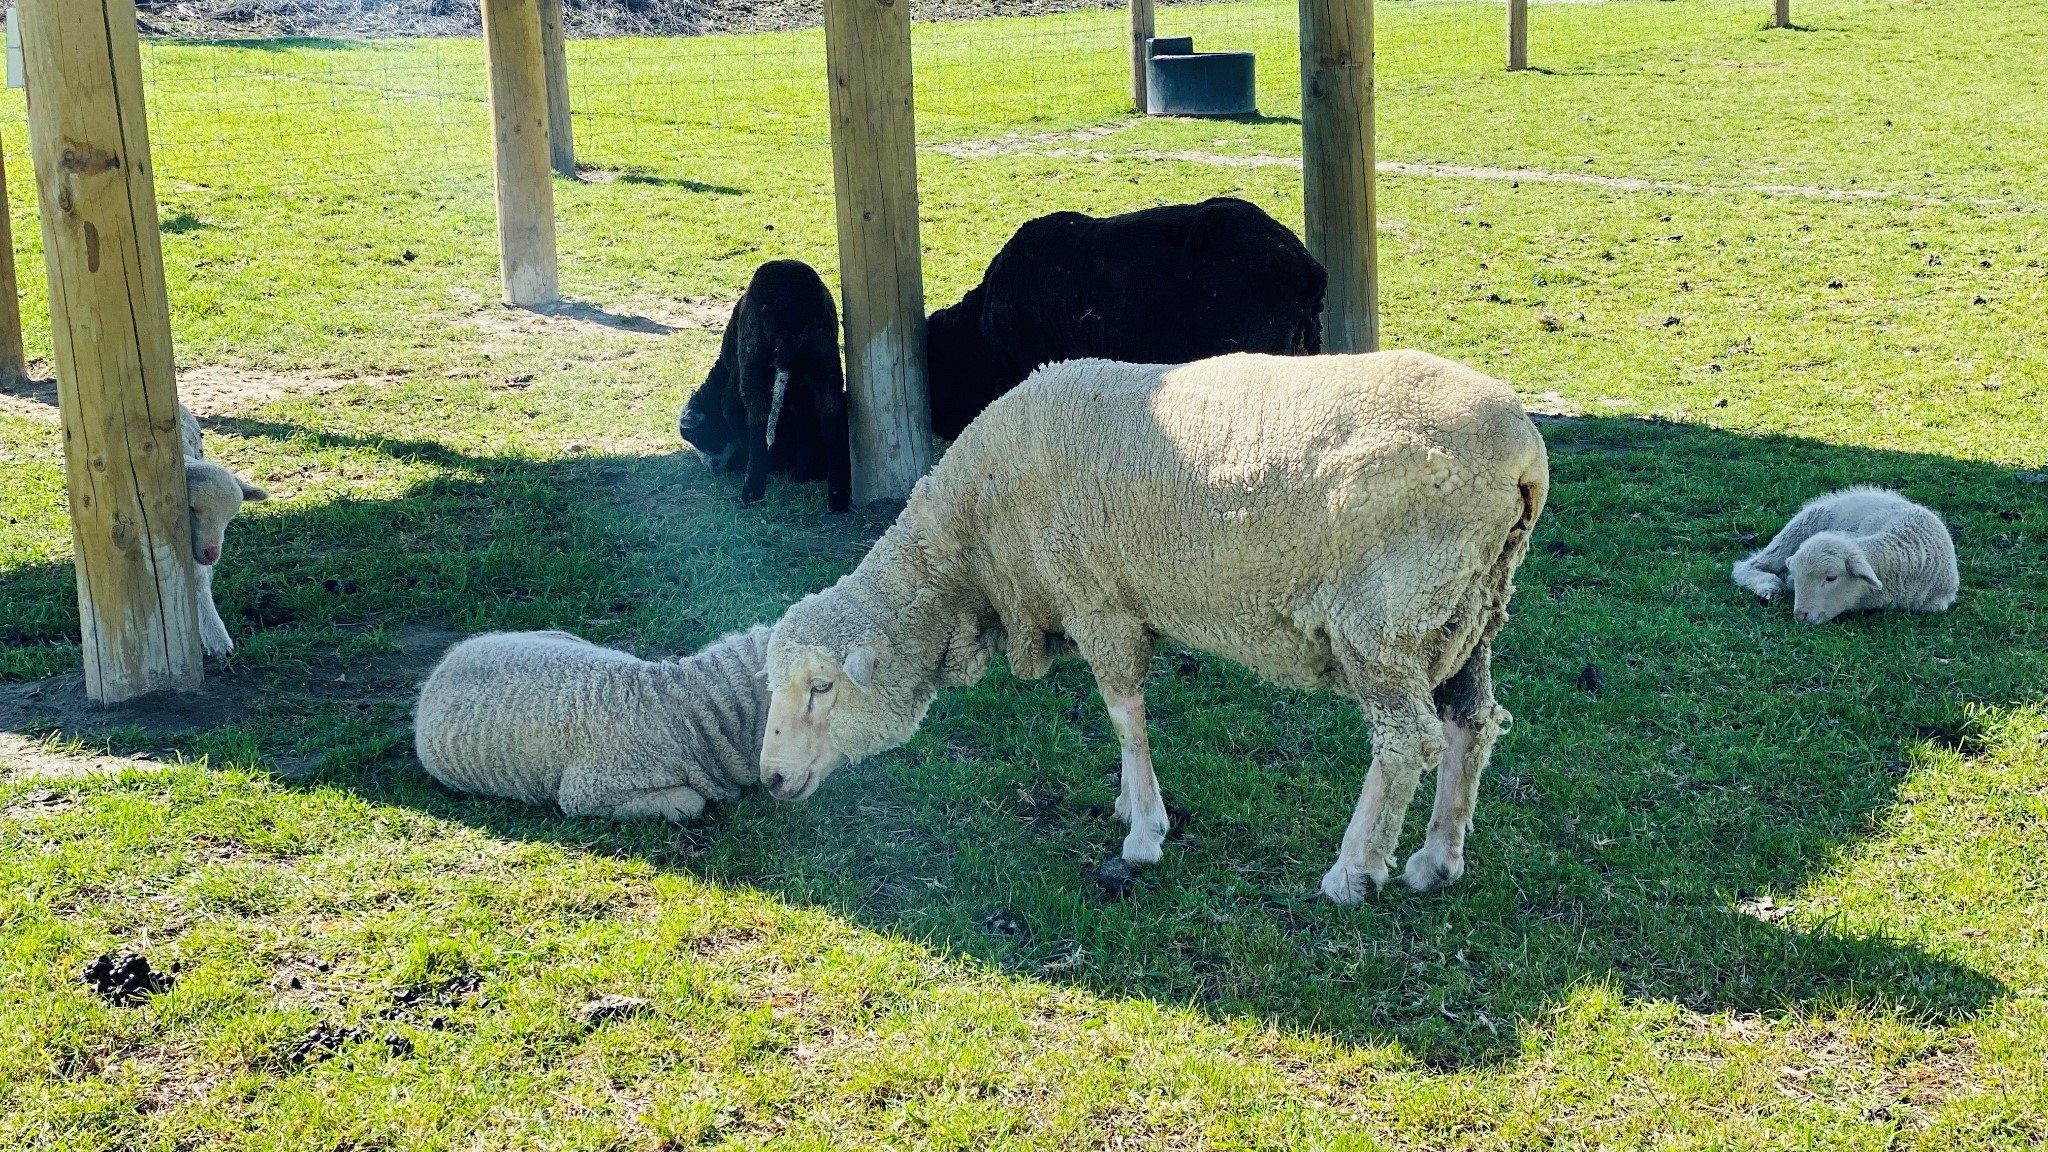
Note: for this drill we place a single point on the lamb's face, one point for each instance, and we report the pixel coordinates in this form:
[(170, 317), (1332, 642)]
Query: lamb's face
[(807, 684), (213, 495), (1830, 576), (703, 427)]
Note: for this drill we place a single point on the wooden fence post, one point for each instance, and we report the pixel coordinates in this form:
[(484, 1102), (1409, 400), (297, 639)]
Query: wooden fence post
[(13, 360), (1781, 13), (1141, 31), (1338, 198), (881, 276), (1518, 35), (110, 324), (519, 131), (555, 55)]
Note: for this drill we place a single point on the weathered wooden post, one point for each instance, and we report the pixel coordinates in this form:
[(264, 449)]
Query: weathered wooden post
[(1339, 203), (1518, 35), (1781, 13), (1141, 31), (881, 278), (519, 137), (555, 56), (13, 360), (110, 325)]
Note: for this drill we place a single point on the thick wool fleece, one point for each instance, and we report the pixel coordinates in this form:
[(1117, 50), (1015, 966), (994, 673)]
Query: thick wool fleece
[(1906, 546), (546, 717), (1349, 522)]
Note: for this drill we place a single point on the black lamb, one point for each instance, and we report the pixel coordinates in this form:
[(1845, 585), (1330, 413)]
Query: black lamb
[(776, 398), (1164, 285)]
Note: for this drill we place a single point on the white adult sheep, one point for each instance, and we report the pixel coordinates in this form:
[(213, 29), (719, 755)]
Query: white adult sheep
[(213, 496), (1344, 522), (547, 717), (1857, 549)]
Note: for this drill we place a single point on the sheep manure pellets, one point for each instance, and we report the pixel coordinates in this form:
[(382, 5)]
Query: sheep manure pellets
[(1857, 550), (1342, 522), (547, 717)]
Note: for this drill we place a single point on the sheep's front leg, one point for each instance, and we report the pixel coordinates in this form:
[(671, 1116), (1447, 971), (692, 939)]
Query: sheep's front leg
[(755, 488), (678, 805), (1406, 737), (213, 631), (1138, 802)]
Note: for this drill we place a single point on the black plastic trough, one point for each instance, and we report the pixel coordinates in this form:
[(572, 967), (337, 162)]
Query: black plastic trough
[(1180, 81)]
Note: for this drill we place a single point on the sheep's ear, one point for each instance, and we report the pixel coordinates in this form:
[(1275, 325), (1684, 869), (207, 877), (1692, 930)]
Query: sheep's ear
[(860, 667), (252, 493), (1859, 567)]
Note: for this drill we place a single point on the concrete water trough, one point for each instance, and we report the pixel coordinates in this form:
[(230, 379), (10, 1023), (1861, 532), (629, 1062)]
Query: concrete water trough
[(1180, 81)]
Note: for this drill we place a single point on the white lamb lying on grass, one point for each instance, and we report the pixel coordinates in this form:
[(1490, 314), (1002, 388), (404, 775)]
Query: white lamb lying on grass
[(1855, 550), (547, 717), (213, 496)]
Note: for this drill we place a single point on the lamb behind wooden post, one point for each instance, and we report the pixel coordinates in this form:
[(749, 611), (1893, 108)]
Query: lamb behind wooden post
[(550, 718), (213, 497)]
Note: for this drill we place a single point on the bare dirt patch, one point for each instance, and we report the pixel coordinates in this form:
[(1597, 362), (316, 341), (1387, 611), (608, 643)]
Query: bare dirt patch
[(571, 318), (208, 390), (34, 397), (213, 390), (58, 706)]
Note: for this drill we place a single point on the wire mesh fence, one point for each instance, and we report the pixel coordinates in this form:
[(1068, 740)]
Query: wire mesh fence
[(265, 115), (259, 138)]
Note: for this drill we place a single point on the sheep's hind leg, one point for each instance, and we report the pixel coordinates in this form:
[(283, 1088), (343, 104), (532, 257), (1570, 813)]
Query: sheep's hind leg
[(1406, 736), (1472, 721)]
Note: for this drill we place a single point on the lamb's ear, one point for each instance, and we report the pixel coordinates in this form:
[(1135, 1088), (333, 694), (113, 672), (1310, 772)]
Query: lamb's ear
[(252, 493), (860, 667), (1859, 567)]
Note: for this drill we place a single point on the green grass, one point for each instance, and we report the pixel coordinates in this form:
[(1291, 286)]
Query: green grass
[(918, 957)]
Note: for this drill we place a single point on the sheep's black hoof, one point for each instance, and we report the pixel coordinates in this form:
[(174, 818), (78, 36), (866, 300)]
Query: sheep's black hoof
[(839, 504)]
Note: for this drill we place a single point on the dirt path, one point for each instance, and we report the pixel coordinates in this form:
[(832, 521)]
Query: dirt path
[(1051, 145)]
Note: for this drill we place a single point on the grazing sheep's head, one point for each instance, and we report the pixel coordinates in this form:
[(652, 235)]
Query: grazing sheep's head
[(703, 425), (806, 688), (213, 495), (839, 690), (1831, 575)]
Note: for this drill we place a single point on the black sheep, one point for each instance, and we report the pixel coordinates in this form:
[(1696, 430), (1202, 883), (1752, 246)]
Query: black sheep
[(776, 399), (1163, 285)]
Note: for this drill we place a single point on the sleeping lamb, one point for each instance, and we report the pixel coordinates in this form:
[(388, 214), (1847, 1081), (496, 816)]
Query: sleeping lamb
[(550, 718), (213, 496), (1855, 550), (1343, 522)]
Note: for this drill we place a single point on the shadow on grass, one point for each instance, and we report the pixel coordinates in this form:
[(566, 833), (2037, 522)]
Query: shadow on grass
[(590, 174), (1730, 755)]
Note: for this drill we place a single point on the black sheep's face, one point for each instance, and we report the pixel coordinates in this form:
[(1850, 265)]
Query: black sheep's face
[(704, 428)]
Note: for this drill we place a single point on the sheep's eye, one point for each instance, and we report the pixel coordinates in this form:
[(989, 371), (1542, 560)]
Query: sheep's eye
[(1831, 579), (820, 687)]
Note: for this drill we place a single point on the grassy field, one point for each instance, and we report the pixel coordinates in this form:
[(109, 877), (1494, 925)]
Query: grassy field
[(1771, 886)]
